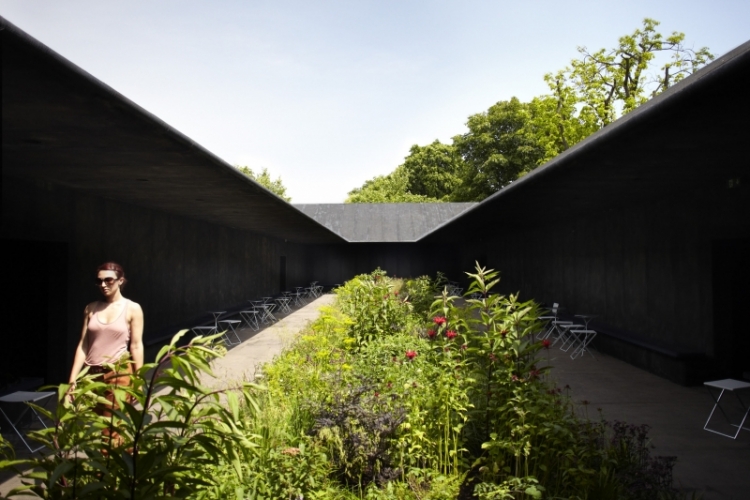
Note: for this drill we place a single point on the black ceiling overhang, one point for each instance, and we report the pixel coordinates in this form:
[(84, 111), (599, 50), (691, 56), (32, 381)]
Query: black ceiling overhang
[(62, 125), (693, 137)]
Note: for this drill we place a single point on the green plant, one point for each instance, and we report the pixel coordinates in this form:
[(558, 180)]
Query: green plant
[(373, 306), (421, 292), (642, 476), (172, 430), (358, 430)]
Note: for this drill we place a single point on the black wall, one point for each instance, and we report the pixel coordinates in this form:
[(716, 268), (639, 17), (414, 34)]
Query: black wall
[(669, 276), (648, 270), (333, 264), (178, 268)]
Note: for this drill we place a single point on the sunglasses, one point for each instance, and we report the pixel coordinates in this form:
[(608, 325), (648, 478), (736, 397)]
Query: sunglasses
[(104, 281)]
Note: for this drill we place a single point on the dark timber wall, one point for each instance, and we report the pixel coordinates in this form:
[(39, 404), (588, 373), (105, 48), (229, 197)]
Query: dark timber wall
[(333, 264), (178, 268), (647, 271)]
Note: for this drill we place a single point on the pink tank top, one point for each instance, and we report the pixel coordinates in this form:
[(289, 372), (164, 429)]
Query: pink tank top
[(107, 342)]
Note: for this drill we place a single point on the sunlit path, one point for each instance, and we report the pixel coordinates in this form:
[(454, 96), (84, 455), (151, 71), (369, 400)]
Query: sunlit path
[(241, 362)]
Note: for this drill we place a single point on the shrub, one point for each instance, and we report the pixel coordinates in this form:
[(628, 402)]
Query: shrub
[(421, 293), (358, 431), (376, 399), (173, 430), (373, 306)]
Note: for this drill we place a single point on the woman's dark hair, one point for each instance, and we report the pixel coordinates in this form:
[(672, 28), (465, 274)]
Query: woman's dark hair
[(117, 268)]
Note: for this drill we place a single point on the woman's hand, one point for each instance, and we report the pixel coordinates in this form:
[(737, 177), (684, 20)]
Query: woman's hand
[(69, 393)]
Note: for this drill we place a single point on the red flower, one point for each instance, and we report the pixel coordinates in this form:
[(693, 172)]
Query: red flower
[(546, 343), (431, 333), (377, 394), (451, 334), (395, 293), (411, 354), (439, 320), (463, 347)]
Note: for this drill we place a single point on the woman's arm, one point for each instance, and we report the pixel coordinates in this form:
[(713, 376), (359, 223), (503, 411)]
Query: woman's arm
[(80, 355), (136, 335)]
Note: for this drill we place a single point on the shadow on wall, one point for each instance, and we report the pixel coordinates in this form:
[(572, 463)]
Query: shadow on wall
[(34, 312)]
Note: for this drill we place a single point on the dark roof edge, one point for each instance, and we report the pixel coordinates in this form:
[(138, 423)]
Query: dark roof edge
[(68, 65), (689, 85)]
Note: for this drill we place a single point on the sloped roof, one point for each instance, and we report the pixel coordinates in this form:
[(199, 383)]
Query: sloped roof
[(689, 139), (62, 125), (383, 222)]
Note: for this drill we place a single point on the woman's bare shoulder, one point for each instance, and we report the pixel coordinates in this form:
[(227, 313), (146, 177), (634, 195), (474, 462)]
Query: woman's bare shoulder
[(91, 308), (135, 307)]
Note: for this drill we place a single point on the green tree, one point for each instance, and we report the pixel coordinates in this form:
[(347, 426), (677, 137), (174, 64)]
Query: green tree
[(558, 121), (264, 179), (610, 82), (511, 138), (391, 188), (500, 146), (433, 170)]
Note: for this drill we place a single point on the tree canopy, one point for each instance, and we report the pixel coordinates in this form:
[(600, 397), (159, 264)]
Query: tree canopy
[(432, 170), (512, 138), (500, 146), (391, 188), (264, 179)]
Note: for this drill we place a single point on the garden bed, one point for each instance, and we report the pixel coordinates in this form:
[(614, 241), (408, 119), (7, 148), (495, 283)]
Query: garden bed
[(395, 392)]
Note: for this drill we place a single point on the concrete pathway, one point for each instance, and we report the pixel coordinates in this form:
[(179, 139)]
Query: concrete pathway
[(240, 363), (717, 466)]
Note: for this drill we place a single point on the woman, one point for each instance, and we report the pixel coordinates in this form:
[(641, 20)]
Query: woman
[(111, 328)]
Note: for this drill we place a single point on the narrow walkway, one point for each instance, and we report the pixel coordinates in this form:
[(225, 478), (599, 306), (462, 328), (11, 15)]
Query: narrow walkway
[(239, 364), (242, 361), (717, 466)]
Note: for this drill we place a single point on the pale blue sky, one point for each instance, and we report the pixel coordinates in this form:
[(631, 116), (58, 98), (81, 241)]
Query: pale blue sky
[(329, 94)]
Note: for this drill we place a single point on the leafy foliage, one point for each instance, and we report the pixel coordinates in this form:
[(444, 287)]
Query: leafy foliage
[(433, 170), (172, 430), (391, 188), (396, 392), (421, 293), (264, 179), (499, 148), (512, 138), (404, 404), (623, 77), (374, 307), (358, 432)]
